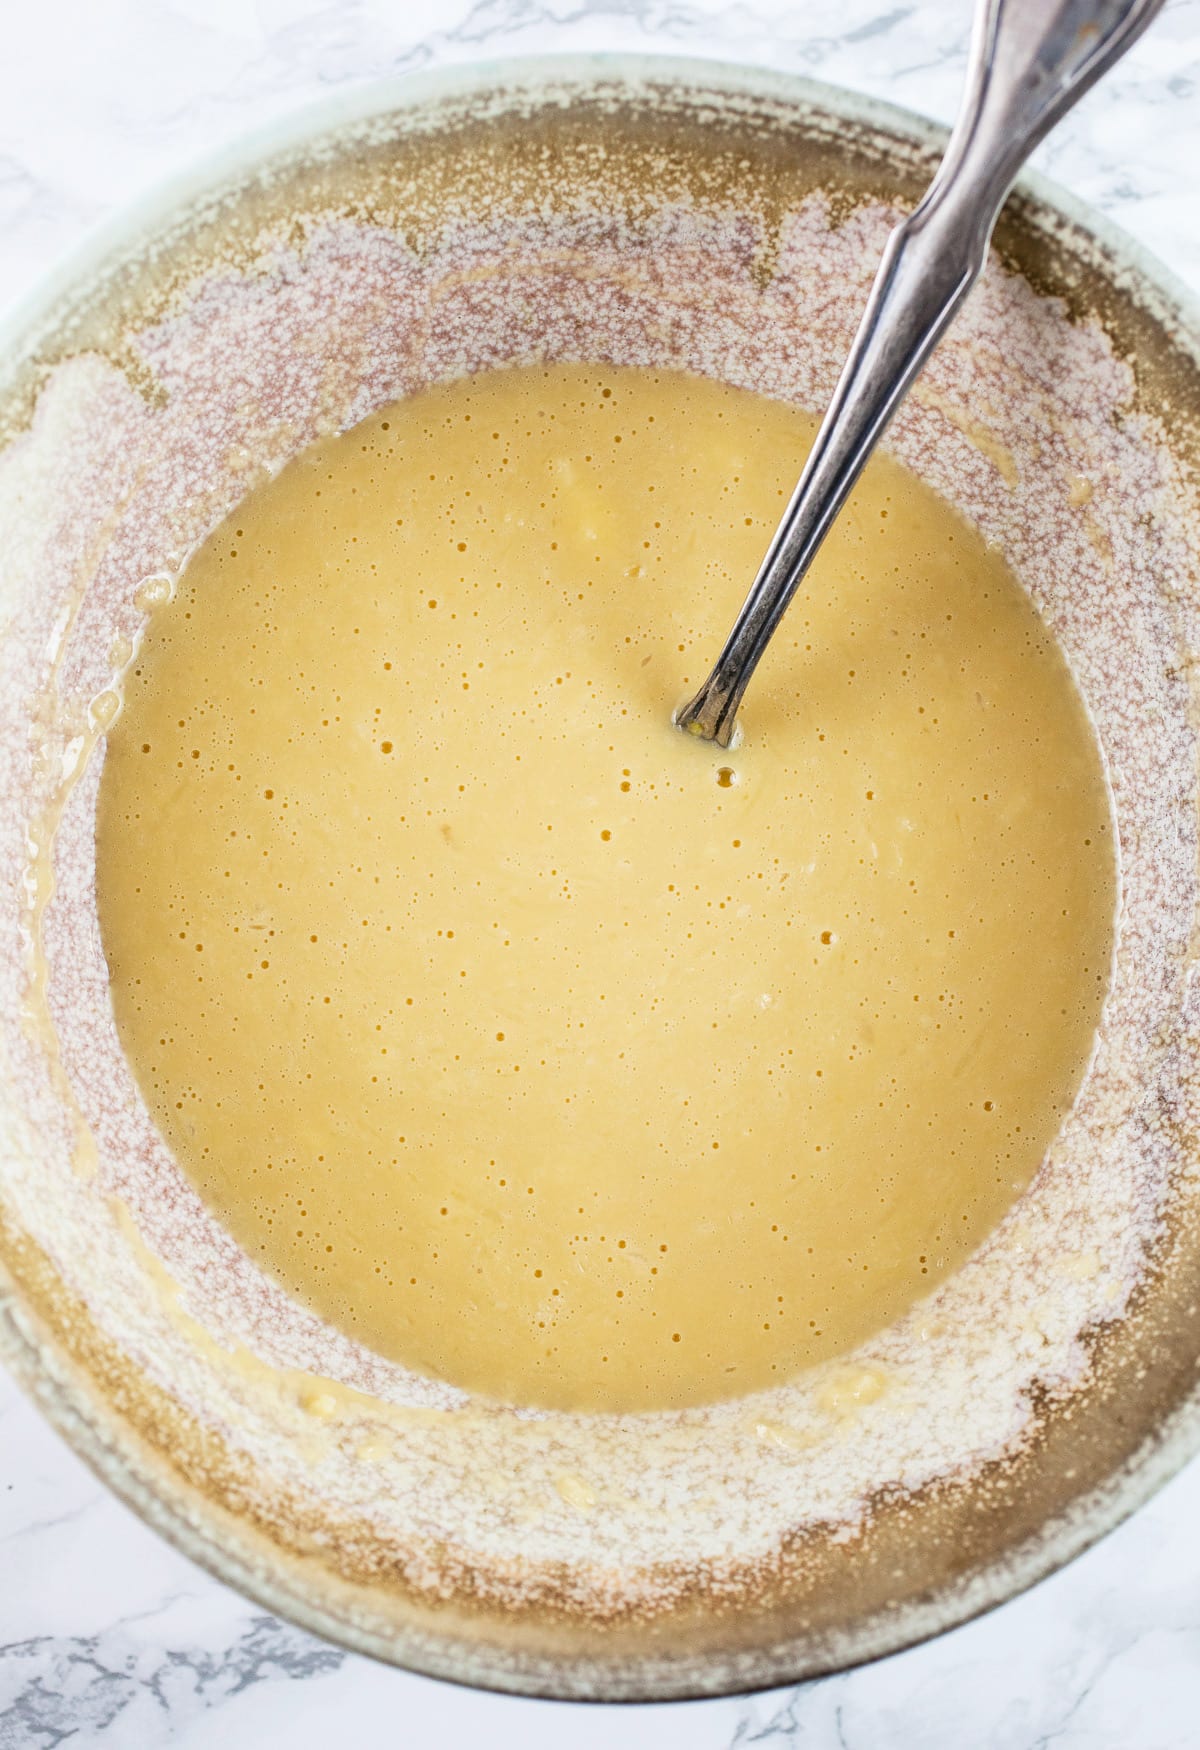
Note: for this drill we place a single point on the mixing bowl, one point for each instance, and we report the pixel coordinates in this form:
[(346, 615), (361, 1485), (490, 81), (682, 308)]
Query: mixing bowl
[(643, 212)]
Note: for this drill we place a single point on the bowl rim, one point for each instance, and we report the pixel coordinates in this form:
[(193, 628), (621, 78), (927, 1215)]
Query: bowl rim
[(64, 1394), (110, 237)]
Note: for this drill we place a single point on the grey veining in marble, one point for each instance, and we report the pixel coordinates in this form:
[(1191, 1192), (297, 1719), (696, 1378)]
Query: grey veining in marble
[(107, 1636)]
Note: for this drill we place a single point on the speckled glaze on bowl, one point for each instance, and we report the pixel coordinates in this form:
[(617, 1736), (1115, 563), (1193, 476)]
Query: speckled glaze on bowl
[(656, 212)]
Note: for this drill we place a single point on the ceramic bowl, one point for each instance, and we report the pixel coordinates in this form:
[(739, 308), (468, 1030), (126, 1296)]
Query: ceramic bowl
[(641, 212)]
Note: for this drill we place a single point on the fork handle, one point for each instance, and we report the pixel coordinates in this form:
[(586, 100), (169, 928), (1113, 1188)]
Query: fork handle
[(1030, 61)]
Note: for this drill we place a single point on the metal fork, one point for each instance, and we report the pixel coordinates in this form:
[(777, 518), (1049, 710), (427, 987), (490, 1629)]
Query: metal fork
[(1030, 61)]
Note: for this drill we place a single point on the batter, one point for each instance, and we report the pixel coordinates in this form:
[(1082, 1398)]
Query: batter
[(538, 1046)]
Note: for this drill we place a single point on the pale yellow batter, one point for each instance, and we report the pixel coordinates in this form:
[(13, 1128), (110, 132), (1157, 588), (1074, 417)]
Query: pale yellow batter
[(537, 1045)]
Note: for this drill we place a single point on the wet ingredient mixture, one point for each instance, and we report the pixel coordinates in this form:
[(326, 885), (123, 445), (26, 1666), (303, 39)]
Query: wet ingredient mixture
[(538, 1046)]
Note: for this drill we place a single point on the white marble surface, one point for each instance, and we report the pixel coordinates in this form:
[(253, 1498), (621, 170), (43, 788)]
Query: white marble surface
[(107, 1637)]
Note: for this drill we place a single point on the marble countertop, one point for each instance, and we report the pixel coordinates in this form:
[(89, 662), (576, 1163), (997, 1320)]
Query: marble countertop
[(107, 1636)]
